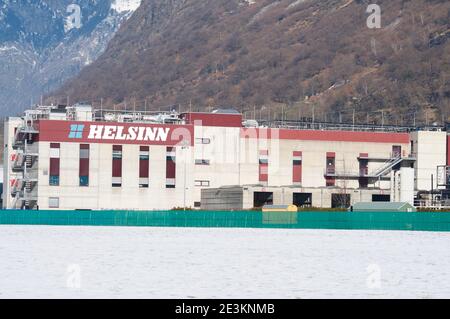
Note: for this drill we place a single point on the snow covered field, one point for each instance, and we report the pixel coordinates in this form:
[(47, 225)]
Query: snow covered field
[(104, 262)]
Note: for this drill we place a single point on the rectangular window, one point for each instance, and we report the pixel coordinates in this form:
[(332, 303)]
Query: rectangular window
[(202, 141), (297, 167), (202, 162), (202, 183), (144, 162), (54, 164), (117, 166), (396, 151), (53, 202), (170, 167), (363, 170), (264, 166), (84, 165), (331, 169)]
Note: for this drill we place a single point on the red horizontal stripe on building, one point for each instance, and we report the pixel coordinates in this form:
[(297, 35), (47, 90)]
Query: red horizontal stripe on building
[(332, 136)]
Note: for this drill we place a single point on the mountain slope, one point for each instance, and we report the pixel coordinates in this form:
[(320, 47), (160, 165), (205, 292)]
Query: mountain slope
[(303, 54), (40, 49)]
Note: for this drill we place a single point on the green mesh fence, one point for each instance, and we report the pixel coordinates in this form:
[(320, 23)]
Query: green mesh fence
[(421, 221)]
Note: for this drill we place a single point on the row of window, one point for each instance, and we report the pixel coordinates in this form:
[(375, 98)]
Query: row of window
[(144, 158), (144, 164)]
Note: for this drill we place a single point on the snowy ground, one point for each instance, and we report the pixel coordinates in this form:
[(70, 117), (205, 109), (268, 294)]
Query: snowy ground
[(103, 262)]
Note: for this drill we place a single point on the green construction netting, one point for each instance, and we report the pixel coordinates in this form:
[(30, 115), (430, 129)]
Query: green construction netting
[(420, 221)]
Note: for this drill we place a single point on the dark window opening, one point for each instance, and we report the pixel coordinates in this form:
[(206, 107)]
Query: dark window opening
[(84, 180), (302, 199), (396, 151), (381, 198), (262, 198), (363, 182), (340, 200), (54, 180)]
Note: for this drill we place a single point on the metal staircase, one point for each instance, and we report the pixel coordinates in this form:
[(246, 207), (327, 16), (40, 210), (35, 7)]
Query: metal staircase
[(378, 173), (24, 164), (386, 167)]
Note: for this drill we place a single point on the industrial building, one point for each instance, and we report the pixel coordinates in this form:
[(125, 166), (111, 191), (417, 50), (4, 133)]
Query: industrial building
[(77, 158)]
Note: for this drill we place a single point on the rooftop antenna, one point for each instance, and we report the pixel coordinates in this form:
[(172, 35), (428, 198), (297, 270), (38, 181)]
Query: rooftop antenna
[(145, 105)]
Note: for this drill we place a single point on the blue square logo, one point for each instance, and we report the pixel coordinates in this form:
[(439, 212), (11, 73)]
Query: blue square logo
[(76, 131)]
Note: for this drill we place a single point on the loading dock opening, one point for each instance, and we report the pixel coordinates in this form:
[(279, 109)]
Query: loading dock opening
[(261, 199), (340, 200), (302, 199)]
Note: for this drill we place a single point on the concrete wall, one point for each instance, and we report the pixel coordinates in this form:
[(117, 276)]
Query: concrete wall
[(314, 160), (223, 155), (430, 149), (241, 197)]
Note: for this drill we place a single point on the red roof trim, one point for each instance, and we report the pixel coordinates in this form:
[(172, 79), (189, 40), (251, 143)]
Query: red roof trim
[(332, 136)]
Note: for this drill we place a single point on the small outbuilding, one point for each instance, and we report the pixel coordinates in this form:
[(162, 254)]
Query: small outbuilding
[(383, 207), (279, 208)]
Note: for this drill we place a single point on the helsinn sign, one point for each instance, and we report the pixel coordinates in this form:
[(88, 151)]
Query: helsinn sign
[(122, 133)]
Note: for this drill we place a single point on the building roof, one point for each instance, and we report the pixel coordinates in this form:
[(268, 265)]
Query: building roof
[(383, 206)]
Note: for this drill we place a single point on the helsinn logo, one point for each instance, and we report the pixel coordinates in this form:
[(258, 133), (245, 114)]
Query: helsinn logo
[(132, 133), (76, 131)]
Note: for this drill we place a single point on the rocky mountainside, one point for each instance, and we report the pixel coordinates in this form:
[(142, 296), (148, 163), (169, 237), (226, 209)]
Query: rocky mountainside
[(43, 43), (285, 58)]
